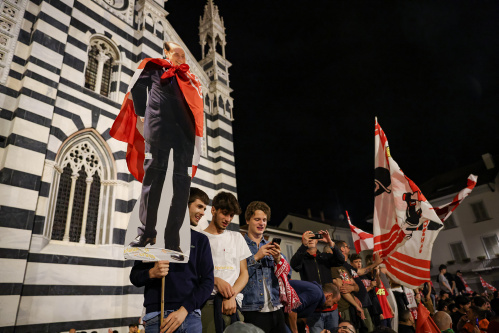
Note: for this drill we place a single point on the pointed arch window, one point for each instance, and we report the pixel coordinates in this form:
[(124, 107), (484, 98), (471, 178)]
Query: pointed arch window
[(102, 67), (81, 192)]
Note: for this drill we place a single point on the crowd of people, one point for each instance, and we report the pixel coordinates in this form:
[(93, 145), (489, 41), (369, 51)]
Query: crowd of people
[(236, 283)]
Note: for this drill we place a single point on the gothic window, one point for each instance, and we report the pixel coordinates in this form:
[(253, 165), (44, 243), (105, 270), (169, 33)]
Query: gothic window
[(81, 192), (228, 109), (220, 102), (159, 31), (102, 68), (149, 23)]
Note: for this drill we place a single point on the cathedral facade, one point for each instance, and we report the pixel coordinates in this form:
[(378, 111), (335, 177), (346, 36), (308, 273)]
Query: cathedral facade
[(65, 190)]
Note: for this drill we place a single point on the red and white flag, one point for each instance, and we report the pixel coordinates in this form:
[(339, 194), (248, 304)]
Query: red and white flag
[(425, 323), (405, 223), (486, 285), (361, 239), (467, 288), (445, 211)]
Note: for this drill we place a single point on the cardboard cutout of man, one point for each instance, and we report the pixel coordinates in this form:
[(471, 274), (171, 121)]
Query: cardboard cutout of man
[(168, 100)]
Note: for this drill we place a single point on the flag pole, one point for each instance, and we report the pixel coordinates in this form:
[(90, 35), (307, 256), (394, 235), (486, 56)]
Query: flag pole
[(162, 300)]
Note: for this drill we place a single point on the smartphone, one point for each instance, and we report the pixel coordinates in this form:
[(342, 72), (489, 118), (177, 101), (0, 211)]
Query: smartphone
[(316, 236), (276, 241)]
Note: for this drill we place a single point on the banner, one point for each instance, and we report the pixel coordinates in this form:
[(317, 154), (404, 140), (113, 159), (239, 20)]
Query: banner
[(405, 223), (361, 239)]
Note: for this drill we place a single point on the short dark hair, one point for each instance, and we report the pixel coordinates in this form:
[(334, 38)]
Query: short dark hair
[(339, 244), (254, 206), (405, 315), (442, 304), (441, 267), (479, 301), (133, 325), (442, 292), (354, 256), (196, 193), (331, 288), (226, 201), (462, 300)]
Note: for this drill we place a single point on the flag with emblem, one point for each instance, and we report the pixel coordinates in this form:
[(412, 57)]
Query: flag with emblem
[(405, 224)]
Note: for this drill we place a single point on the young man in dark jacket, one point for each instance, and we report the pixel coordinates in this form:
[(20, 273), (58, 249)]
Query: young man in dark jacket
[(187, 286), (314, 265)]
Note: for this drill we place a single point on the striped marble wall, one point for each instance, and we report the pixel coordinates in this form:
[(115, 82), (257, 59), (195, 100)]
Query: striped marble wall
[(48, 285)]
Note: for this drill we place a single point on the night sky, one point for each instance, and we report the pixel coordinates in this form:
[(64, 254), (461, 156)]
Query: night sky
[(310, 76)]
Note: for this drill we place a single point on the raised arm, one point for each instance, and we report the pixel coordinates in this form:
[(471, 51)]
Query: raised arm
[(377, 262)]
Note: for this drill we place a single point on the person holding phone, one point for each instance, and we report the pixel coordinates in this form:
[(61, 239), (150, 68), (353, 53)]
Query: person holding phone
[(314, 265), (261, 303)]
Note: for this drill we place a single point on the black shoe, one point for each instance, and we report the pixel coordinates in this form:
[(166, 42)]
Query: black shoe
[(141, 241), (175, 256)]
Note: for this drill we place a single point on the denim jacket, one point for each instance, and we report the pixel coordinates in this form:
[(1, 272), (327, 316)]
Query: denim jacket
[(259, 272)]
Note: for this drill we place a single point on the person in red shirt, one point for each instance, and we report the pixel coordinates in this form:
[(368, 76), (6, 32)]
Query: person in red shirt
[(381, 293)]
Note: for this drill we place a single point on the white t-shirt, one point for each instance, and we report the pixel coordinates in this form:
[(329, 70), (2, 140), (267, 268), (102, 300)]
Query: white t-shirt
[(227, 250)]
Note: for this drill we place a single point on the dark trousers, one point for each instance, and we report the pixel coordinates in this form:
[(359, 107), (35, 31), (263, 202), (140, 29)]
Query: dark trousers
[(152, 186), (270, 322)]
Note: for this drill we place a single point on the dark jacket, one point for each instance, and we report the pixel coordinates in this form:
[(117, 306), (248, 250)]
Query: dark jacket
[(168, 118), (188, 285), (316, 268)]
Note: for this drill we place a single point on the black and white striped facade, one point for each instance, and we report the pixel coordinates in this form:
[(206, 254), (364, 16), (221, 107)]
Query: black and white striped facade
[(49, 121)]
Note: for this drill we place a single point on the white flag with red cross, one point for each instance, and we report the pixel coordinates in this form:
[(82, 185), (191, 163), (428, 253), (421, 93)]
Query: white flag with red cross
[(361, 239)]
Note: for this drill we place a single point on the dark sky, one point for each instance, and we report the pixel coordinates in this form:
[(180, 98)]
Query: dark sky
[(310, 76)]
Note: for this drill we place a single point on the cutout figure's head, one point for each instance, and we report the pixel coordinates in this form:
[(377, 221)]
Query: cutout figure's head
[(174, 53)]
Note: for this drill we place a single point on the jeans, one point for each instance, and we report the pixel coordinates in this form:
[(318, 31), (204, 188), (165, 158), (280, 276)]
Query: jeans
[(319, 321), (191, 324)]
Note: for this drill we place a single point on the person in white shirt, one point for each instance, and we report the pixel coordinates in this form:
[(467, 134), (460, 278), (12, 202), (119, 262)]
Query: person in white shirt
[(229, 251)]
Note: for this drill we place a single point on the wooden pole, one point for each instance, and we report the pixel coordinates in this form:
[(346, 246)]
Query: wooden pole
[(162, 300)]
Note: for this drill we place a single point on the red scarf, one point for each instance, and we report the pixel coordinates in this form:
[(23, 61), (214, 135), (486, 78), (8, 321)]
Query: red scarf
[(287, 294), (125, 126)]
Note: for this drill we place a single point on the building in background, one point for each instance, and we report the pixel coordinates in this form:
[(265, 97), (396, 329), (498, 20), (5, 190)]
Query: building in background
[(65, 191), (469, 241), (292, 228)]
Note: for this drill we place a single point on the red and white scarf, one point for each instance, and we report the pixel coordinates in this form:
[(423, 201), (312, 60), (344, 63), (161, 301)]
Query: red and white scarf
[(287, 295), (125, 126)]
